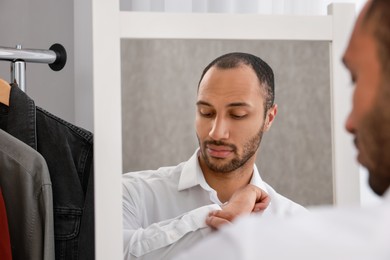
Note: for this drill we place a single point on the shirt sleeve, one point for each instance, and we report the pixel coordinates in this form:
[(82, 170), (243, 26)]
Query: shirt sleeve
[(140, 243)]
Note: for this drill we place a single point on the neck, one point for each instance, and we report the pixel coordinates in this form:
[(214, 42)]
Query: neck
[(225, 184)]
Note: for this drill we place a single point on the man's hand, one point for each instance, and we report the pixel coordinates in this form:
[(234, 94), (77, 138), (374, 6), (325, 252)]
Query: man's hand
[(244, 201)]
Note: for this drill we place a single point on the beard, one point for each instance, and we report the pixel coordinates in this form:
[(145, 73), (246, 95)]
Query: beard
[(374, 136), (217, 164)]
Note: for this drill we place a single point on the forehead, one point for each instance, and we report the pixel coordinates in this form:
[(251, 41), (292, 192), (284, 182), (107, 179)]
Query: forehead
[(362, 43), (230, 85)]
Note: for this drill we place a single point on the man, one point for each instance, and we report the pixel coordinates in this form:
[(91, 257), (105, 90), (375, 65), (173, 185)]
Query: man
[(165, 210), (351, 233)]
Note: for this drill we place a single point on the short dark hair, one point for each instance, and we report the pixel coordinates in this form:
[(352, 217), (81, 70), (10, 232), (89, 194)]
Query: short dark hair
[(378, 16), (263, 71)]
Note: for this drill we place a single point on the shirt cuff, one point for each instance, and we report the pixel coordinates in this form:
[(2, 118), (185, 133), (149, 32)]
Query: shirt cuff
[(199, 215)]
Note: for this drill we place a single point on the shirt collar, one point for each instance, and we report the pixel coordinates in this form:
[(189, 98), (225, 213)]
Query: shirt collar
[(256, 179), (192, 175), (22, 117), (189, 174)]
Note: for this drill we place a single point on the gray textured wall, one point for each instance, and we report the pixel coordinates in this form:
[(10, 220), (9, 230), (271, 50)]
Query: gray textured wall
[(159, 81), (37, 24)]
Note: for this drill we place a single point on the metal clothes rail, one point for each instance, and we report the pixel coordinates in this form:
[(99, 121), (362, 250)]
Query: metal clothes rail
[(55, 57)]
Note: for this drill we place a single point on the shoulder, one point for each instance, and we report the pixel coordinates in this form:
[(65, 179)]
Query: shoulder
[(18, 155), (359, 234), (155, 179), (62, 127), (281, 205), (24, 166)]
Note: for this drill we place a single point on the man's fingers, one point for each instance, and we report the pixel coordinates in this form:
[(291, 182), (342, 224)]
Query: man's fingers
[(223, 214), (260, 206), (262, 196), (216, 222)]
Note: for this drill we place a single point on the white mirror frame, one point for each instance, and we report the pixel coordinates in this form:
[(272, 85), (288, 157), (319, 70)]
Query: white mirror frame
[(110, 25)]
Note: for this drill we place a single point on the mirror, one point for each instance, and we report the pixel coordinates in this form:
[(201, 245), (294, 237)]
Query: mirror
[(159, 85)]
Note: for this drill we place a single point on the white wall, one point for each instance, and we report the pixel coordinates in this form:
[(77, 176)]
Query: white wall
[(83, 64), (37, 24)]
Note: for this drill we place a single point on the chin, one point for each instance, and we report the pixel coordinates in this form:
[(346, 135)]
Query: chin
[(378, 185)]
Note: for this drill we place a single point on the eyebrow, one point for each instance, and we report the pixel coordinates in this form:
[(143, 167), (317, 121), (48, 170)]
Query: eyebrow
[(234, 104)]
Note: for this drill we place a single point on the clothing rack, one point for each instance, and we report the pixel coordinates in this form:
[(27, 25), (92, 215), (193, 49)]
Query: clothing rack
[(55, 57)]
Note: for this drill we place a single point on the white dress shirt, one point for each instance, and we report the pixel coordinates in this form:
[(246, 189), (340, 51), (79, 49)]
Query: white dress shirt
[(327, 233), (164, 210)]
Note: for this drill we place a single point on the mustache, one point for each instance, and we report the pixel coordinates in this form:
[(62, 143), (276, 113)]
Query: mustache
[(220, 143)]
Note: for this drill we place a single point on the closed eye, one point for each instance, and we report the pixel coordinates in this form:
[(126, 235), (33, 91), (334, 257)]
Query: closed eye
[(206, 114), (234, 116)]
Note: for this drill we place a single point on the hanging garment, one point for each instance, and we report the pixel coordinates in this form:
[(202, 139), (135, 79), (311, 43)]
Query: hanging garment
[(68, 151), (5, 243), (27, 192), (5, 90)]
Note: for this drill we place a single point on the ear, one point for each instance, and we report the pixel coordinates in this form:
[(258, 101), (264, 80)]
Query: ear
[(269, 119)]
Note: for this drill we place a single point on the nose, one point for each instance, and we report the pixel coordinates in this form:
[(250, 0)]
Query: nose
[(350, 124), (219, 129)]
